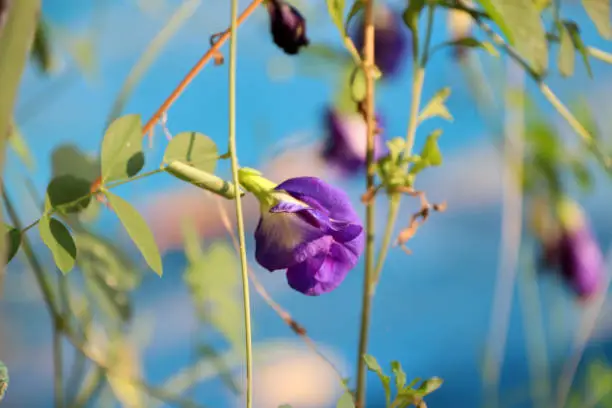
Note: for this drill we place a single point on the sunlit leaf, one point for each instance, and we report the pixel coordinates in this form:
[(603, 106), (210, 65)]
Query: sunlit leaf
[(12, 241), (574, 32), (122, 155), (345, 401), (58, 239), (336, 12), (436, 106), (69, 193), (430, 385), (399, 374), (193, 148), (599, 13), (490, 7), (430, 154), (525, 23), (566, 52), (138, 230)]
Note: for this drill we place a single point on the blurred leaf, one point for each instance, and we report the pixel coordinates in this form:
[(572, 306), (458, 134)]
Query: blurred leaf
[(399, 374), (358, 85), (13, 241), (83, 52), (58, 239), (436, 107), (373, 366), (599, 13), (223, 368), (471, 42), (355, 9), (574, 32), (41, 48), (491, 8), (336, 12), (122, 155), (430, 154), (69, 160), (566, 52), (345, 401), (430, 385), (138, 230), (525, 23), (126, 368), (599, 380), (582, 175), (411, 16), (396, 146), (191, 240), (69, 194), (20, 146), (4, 380), (193, 148)]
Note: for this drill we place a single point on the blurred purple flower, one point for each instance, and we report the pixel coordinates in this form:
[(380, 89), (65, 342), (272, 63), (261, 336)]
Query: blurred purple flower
[(390, 40), (312, 231), (346, 142), (287, 26), (576, 252)]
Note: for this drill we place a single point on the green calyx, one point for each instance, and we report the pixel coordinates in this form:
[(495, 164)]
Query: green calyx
[(259, 186)]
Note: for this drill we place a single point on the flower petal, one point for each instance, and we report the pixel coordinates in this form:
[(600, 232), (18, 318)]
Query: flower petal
[(284, 239), (322, 273), (321, 196)]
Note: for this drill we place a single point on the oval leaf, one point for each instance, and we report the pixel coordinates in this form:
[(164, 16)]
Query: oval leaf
[(59, 241), (346, 401), (122, 155), (498, 18), (599, 13), (138, 230), (193, 148), (69, 194), (12, 240), (70, 160), (566, 52), (336, 12)]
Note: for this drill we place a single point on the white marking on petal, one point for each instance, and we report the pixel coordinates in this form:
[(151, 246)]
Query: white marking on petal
[(282, 229)]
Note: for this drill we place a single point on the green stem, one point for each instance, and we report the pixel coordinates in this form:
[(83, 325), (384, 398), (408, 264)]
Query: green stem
[(370, 224), (394, 204), (58, 371), (239, 216), (117, 183)]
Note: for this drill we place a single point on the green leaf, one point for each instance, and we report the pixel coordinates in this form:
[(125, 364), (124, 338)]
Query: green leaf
[(41, 51), (346, 401), (12, 240), (193, 148), (122, 155), (411, 16), (4, 380), (527, 28), (373, 366), (357, 6), (58, 239), (69, 194), (70, 160), (430, 385), (430, 155), (336, 12), (396, 146), (436, 107), (471, 42), (599, 13), (399, 374), (566, 52), (358, 85), (138, 230), (582, 175), (574, 33), (499, 18)]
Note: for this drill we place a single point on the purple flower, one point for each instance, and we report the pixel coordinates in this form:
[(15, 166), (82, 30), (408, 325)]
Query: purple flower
[(576, 252), (390, 40), (311, 230), (287, 26), (346, 141)]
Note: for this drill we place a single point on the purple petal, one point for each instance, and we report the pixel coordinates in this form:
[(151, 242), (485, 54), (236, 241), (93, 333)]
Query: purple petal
[(322, 273), (322, 197), (582, 262)]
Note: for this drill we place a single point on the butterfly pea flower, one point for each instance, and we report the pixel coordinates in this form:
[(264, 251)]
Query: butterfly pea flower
[(287, 26), (346, 142), (308, 228), (574, 250), (390, 40)]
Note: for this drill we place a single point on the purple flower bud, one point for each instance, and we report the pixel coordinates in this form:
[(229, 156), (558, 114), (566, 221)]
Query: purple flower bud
[(346, 143), (311, 230), (579, 257), (390, 40), (287, 26)]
